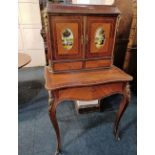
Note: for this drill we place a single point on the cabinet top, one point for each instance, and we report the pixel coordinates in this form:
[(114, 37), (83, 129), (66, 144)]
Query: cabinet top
[(69, 8)]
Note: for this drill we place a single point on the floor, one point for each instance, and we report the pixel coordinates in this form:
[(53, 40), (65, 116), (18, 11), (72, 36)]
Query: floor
[(82, 134)]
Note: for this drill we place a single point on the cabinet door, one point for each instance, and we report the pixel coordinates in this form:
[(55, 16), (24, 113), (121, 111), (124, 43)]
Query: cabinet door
[(67, 32), (100, 36)]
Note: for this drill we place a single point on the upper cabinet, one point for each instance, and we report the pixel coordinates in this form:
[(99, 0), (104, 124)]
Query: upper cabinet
[(79, 37)]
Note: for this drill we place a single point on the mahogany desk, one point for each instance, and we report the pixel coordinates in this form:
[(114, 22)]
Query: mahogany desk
[(88, 85)]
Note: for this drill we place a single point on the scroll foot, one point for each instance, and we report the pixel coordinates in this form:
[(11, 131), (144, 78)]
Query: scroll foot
[(117, 136), (58, 152)]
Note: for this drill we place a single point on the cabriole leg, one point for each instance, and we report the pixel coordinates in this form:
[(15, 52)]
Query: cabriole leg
[(122, 107), (52, 113)]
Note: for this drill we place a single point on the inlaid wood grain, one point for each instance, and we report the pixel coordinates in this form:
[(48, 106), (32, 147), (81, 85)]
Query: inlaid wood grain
[(73, 79), (98, 63), (67, 66)]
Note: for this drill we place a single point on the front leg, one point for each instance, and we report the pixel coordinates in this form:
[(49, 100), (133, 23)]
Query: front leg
[(123, 105), (53, 102)]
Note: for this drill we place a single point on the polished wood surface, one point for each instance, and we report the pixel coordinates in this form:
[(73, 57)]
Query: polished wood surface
[(63, 66), (63, 80), (91, 92), (98, 63), (23, 59)]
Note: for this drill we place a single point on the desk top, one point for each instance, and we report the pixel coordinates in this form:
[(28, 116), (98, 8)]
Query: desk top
[(84, 78), (23, 59)]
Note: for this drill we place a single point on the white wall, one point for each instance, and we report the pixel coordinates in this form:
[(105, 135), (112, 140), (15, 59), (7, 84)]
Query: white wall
[(30, 40)]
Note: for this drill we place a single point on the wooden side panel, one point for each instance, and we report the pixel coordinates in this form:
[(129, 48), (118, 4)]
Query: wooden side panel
[(101, 36), (67, 32)]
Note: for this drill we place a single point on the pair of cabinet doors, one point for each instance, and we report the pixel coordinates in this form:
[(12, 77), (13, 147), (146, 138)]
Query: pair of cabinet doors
[(82, 37)]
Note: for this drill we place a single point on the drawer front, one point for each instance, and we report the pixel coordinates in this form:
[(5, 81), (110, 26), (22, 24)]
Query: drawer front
[(100, 35), (66, 36), (94, 92), (67, 66), (98, 63)]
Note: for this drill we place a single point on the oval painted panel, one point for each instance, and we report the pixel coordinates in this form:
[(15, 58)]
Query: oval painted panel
[(99, 38), (67, 39)]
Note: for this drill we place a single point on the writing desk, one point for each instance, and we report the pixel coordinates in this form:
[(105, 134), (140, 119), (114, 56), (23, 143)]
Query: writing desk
[(86, 86)]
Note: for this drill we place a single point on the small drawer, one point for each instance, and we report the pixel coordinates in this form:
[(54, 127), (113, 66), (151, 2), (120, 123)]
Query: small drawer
[(98, 63), (67, 66)]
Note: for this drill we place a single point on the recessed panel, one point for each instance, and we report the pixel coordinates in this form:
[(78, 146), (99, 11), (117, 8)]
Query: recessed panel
[(67, 38), (100, 37)]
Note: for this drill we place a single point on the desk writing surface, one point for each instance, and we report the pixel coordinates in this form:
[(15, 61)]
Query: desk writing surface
[(74, 79)]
